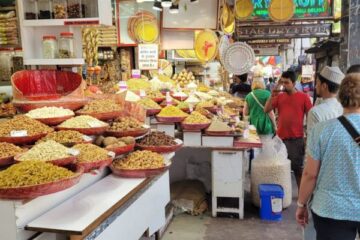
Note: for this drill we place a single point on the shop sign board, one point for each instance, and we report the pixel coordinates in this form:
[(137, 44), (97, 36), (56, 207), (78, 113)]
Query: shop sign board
[(282, 31), (148, 55), (266, 51), (305, 9), (268, 41)]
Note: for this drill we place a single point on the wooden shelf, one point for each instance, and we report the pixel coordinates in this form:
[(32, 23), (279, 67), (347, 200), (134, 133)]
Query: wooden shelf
[(53, 62), (61, 22)]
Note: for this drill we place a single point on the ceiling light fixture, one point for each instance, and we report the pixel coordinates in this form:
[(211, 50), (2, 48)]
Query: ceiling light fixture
[(166, 3), (157, 6), (174, 9)]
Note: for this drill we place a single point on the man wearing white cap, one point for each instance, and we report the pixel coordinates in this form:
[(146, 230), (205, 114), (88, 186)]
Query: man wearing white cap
[(327, 86)]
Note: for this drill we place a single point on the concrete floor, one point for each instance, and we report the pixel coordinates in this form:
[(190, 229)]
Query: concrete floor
[(186, 227)]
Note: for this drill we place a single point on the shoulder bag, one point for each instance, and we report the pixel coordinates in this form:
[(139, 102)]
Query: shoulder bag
[(350, 128)]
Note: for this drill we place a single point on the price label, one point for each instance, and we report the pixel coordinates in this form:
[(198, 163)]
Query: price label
[(142, 93), (168, 98), (87, 138), (237, 119), (122, 85), (18, 133), (191, 107), (136, 73), (94, 124), (111, 154), (246, 134), (73, 151)]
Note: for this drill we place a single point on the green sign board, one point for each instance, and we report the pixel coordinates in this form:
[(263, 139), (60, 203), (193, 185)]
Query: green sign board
[(304, 9)]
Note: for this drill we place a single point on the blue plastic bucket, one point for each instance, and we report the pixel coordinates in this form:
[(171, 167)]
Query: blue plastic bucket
[(271, 202)]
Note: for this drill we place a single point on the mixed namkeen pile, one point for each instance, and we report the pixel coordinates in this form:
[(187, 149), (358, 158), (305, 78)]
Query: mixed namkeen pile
[(140, 160), (31, 173), (126, 124), (101, 106), (23, 123), (64, 137), (90, 153)]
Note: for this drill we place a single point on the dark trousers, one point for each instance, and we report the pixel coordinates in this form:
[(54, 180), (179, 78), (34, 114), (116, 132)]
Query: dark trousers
[(331, 229)]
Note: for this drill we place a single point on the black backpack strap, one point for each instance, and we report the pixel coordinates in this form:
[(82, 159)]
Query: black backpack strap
[(350, 128)]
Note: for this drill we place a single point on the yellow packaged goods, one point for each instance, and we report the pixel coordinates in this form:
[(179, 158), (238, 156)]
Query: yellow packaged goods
[(90, 153), (32, 173), (196, 118), (147, 103), (219, 126), (64, 136), (101, 106), (23, 123), (135, 84), (83, 121), (126, 124), (46, 151), (184, 77), (203, 88), (140, 160), (49, 112), (171, 111), (9, 150)]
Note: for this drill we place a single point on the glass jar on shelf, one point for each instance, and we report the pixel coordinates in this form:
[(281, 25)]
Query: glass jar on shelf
[(5, 63), (90, 8), (45, 11), (17, 60), (30, 7), (66, 45), (49, 47), (75, 9), (60, 9)]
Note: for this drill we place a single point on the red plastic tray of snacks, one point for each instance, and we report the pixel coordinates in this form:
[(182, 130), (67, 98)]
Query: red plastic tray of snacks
[(6, 161), (121, 150), (170, 119), (28, 106), (130, 133), (180, 98), (54, 121), (86, 131), (38, 190), (222, 133), (151, 112), (162, 149), (137, 173), (88, 166), (198, 126), (158, 100), (57, 162), (102, 116), (212, 109), (23, 140), (187, 110)]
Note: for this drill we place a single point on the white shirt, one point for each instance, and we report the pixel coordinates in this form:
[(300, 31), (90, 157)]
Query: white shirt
[(328, 109)]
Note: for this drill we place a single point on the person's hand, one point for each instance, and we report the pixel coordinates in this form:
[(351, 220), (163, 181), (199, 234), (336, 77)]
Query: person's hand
[(302, 216), (277, 89)]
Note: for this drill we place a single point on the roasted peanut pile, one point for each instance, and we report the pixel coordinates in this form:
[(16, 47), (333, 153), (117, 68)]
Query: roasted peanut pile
[(171, 111), (158, 139), (9, 150), (90, 153), (140, 160), (101, 106), (64, 137), (83, 121), (46, 151), (22, 122), (196, 118), (126, 124), (32, 173), (49, 112)]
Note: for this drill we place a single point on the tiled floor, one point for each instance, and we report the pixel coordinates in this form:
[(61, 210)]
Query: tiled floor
[(186, 227)]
